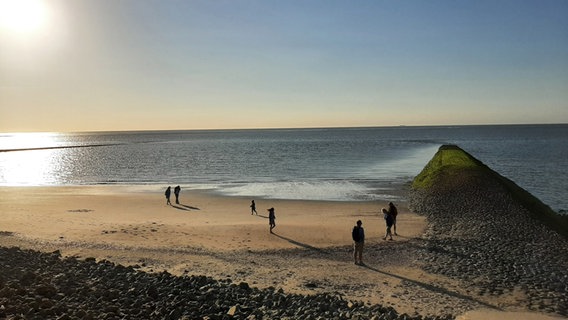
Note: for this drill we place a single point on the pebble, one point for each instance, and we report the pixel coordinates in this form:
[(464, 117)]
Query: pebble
[(35, 285)]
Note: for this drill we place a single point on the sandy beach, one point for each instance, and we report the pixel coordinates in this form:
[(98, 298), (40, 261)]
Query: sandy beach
[(206, 234)]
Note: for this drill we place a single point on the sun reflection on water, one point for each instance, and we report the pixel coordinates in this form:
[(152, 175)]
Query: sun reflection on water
[(28, 167), (29, 140)]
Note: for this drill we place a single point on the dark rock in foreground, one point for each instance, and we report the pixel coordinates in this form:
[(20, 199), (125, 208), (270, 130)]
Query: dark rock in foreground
[(481, 232), (36, 285)]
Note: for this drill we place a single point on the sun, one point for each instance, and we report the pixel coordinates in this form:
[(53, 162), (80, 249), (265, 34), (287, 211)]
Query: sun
[(23, 16)]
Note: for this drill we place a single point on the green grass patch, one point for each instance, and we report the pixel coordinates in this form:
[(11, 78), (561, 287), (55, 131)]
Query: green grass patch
[(449, 160)]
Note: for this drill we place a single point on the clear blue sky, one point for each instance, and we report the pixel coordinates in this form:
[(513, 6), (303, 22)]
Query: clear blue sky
[(83, 65)]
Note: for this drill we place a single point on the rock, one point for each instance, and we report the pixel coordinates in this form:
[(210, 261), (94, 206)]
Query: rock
[(232, 311), (46, 291), (244, 286)]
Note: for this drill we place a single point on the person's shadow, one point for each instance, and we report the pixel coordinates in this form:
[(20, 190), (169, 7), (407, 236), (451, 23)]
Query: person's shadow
[(300, 244), (433, 288), (184, 207)]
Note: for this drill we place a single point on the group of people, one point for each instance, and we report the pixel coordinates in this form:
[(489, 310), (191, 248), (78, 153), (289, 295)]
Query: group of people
[(358, 233), (390, 219), (271, 215), (168, 193)]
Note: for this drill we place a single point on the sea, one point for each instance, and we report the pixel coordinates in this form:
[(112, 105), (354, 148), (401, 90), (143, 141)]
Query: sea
[(337, 164)]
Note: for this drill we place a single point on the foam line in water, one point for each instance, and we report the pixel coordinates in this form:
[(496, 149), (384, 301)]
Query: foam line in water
[(305, 190)]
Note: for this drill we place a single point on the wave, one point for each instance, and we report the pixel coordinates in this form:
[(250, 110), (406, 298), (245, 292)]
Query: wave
[(327, 190)]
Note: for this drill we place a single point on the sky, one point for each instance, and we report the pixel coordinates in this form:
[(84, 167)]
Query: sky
[(111, 65)]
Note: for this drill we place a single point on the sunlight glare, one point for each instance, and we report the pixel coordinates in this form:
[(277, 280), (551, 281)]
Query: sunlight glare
[(27, 169), (23, 16), (28, 140), (35, 167)]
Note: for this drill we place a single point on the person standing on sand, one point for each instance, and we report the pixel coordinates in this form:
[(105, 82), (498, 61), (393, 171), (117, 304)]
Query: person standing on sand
[(271, 219), (389, 221), (177, 190), (358, 235), (253, 208), (393, 212), (168, 193)]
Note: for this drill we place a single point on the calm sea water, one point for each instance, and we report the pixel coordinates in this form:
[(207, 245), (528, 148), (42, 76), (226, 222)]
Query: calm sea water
[(319, 164)]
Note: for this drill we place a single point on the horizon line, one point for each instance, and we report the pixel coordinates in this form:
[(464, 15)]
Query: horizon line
[(294, 128)]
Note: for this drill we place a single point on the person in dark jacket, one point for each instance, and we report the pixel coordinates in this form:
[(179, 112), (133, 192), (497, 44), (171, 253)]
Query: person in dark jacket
[(177, 190), (389, 222), (358, 235), (393, 212), (271, 219), (253, 208), (168, 194)]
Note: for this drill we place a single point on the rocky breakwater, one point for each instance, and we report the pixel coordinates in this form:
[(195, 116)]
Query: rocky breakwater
[(490, 234), (36, 285)]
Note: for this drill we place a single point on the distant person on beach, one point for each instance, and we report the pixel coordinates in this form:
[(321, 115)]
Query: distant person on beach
[(393, 212), (168, 193), (253, 208), (271, 219), (389, 221), (358, 235), (177, 190)]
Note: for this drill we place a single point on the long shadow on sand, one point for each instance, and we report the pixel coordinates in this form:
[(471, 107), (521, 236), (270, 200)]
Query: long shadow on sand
[(300, 244), (185, 207), (434, 288)]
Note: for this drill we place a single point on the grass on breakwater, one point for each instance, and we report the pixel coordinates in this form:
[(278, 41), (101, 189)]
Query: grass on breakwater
[(452, 165)]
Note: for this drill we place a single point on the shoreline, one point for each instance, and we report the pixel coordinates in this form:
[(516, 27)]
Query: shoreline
[(213, 235), (396, 193)]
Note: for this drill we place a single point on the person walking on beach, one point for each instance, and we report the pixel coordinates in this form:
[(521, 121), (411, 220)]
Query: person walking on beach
[(393, 212), (358, 235), (253, 208), (168, 193), (389, 221), (177, 190), (271, 219)]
